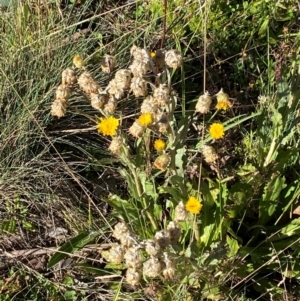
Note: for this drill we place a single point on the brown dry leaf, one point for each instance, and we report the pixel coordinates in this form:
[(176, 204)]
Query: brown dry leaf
[(297, 210)]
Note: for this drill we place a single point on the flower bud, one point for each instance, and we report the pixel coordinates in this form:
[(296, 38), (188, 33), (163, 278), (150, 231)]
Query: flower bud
[(116, 145), (181, 214), (108, 63), (136, 130), (209, 154), (203, 104), (162, 162)]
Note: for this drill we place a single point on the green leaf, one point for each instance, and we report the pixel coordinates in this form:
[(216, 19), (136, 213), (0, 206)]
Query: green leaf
[(130, 182), (70, 295), (293, 228), (126, 209), (174, 192), (89, 268), (179, 182), (291, 193), (240, 193), (277, 123), (8, 226), (28, 225), (72, 246), (264, 26), (270, 198), (148, 185), (6, 3), (68, 281), (233, 246)]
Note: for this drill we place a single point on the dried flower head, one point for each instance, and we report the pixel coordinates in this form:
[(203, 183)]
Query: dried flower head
[(149, 106), (123, 78), (138, 87), (168, 267), (174, 230), (108, 63), (161, 95), (136, 130), (133, 276), (87, 83), (221, 96), (217, 130), (127, 240), (63, 92), (163, 238), (152, 267), (203, 104), (162, 162), (59, 108), (111, 105), (108, 126), (119, 230), (69, 77), (133, 257), (209, 154), (133, 49), (98, 100), (193, 205), (173, 58), (78, 61), (145, 119), (116, 254), (159, 145), (116, 145), (152, 247), (180, 213), (223, 101), (115, 90), (142, 62)]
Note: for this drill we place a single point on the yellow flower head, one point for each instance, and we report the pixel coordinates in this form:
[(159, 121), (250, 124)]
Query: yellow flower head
[(159, 145), (216, 131), (153, 54), (193, 205), (78, 61), (108, 126), (223, 105), (145, 119)]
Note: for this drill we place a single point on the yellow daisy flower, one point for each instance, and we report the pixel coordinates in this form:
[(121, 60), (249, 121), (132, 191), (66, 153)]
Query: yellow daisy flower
[(153, 54), (78, 61), (217, 131), (159, 145), (223, 105), (108, 126), (145, 119), (193, 205)]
